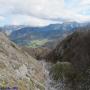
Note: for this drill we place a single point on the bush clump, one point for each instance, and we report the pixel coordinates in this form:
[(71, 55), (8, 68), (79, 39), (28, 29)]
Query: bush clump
[(62, 70)]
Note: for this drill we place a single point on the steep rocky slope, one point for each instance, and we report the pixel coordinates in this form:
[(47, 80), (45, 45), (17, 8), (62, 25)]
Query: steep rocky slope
[(72, 58), (17, 68)]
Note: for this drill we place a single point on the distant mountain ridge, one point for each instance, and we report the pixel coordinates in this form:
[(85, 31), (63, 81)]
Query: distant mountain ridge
[(10, 28), (25, 35), (31, 36)]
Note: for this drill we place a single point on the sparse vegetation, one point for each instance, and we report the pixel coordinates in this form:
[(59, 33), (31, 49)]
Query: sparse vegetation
[(62, 70)]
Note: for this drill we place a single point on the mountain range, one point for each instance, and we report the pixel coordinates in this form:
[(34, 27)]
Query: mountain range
[(39, 33), (40, 36), (32, 36)]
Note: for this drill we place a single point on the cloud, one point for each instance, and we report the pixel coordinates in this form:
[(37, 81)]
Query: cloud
[(27, 20), (43, 12), (2, 18)]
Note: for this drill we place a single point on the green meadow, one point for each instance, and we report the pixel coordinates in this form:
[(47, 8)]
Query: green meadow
[(37, 43)]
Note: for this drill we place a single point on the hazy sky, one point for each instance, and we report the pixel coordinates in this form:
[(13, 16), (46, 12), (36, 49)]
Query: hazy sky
[(43, 12)]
